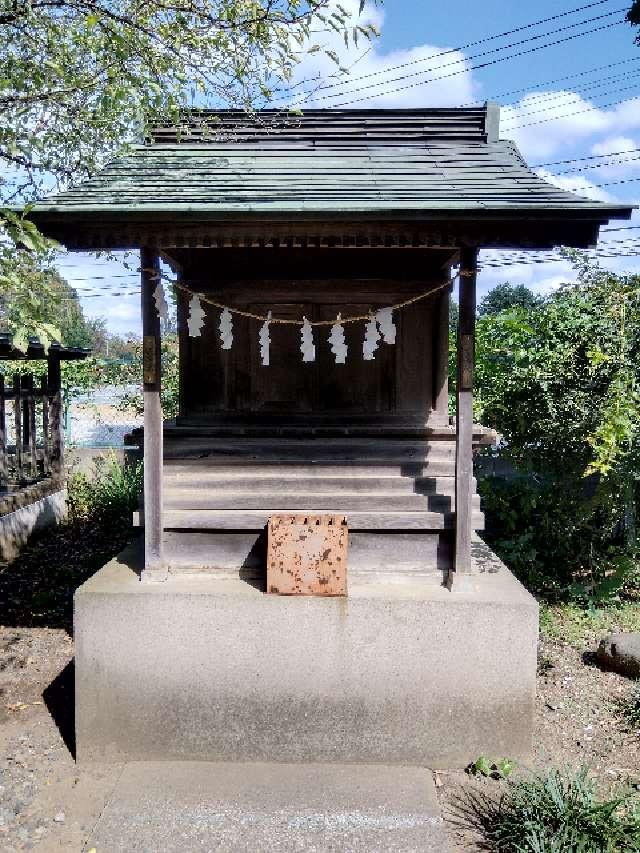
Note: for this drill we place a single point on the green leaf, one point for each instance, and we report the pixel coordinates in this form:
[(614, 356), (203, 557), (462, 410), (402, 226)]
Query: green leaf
[(20, 339)]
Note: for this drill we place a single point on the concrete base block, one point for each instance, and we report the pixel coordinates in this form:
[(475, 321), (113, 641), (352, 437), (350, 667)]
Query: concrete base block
[(210, 668)]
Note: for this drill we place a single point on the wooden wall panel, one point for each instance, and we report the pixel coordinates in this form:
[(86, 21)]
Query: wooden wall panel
[(398, 381)]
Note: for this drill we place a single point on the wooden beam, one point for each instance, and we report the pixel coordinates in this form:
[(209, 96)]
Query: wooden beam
[(464, 409), (29, 424), (46, 463), (4, 463), (17, 424), (154, 566), (56, 419)]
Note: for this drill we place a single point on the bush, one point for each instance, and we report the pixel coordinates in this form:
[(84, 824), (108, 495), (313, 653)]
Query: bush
[(555, 814), (111, 496), (562, 538)]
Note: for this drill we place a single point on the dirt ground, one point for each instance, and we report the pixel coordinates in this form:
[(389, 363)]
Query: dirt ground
[(578, 723), (45, 804)]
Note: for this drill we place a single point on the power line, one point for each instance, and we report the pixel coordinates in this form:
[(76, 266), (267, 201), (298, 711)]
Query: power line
[(472, 67), (570, 115), (563, 95), (587, 157), (463, 47), (555, 80)]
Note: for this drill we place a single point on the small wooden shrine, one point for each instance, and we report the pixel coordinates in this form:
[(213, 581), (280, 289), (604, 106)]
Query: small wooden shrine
[(314, 217), (313, 258)]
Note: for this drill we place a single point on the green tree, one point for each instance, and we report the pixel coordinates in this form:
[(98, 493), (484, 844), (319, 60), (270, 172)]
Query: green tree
[(561, 384), (80, 80), (505, 296), (41, 294), (633, 16)]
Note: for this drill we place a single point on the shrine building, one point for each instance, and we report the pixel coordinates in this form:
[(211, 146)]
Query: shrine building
[(313, 257)]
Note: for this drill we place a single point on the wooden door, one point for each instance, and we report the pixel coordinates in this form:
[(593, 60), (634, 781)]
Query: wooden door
[(285, 385)]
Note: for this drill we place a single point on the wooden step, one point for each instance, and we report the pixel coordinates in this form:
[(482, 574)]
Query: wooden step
[(306, 501), (256, 519), (263, 482), (306, 451)]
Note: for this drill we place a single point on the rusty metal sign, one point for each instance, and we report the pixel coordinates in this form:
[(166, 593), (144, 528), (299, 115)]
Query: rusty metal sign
[(149, 361), (307, 555)]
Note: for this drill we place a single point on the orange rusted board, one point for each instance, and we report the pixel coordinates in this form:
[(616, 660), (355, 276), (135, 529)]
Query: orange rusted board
[(307, 555)]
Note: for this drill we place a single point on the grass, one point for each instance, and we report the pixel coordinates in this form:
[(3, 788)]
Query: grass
[(36, 589), (578, 626), (557, 814)]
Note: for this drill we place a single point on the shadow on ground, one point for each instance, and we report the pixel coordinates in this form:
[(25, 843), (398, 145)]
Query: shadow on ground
[(59, 699), (36, 588)]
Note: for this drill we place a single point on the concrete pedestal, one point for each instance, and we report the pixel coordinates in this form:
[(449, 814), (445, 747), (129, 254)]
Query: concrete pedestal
[(209, 667)]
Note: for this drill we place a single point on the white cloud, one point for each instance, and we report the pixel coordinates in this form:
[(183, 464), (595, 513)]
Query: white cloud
[(621, 164), (579, 184), (372, 82), (542, 128)]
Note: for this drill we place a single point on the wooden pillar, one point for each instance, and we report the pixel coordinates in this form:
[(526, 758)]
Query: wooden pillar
[(54, 383), (29, 423), (154, 568), (17, 423), (44, 393), (441, 359), (4, 463), (464, 409)]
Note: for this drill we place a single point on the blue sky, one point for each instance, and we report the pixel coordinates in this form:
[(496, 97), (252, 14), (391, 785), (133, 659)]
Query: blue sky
[(594, 113)]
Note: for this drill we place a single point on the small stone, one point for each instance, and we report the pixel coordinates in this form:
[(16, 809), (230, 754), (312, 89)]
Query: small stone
[(620, 653), (59, 818)]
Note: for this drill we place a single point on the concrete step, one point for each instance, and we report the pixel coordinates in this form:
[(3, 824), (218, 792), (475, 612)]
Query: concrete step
[(256, 519), (183, 807), (336, 501)]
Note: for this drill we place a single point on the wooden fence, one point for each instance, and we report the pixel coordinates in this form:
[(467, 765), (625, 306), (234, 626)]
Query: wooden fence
[(31, 415)]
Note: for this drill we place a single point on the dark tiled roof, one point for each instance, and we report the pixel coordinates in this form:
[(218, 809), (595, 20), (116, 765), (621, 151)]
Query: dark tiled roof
[(326, 161)]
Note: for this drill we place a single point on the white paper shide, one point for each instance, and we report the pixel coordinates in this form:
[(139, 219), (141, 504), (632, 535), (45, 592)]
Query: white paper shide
[(307, 347), (337, 341), (265, 340), (195, 320), (226, 329)]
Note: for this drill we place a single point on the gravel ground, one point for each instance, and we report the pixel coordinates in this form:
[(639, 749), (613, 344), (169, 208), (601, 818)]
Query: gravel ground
[(46, 804)]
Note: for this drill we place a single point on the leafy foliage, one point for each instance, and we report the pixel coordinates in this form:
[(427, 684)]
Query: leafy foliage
[(35, 301), (111, 496), (483, 766), (81, 80), (560, 383), (556, 814), (633, 16), (506, 296)]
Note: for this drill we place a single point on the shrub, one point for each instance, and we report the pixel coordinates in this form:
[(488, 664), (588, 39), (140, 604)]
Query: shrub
[(556, 814), (562, 538), (111, 496)]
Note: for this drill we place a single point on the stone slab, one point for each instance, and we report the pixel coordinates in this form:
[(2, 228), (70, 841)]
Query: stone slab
[(400, 672), (179, 807), (18, 526)]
